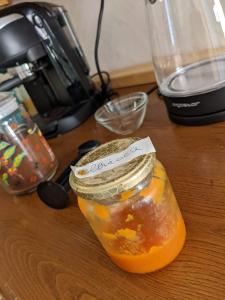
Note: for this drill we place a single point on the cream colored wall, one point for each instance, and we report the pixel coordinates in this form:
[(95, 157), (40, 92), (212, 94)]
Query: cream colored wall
[(124, 40)]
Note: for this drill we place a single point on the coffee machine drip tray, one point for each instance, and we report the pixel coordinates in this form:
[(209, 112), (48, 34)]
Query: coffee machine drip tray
[(196, 78)]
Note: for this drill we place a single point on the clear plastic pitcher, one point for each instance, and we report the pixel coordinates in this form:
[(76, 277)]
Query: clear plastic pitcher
[(188, 54)]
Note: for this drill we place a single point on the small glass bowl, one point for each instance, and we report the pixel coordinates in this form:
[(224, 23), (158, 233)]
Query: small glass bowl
[(123, 115)]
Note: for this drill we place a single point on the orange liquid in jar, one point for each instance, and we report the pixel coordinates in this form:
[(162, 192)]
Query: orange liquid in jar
[(143, 233), (157, 257)]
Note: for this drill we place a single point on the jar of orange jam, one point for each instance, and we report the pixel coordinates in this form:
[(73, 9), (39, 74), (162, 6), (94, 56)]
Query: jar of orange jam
[(130, 206)]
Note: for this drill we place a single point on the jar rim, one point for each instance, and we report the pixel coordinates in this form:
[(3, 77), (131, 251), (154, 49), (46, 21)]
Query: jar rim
[(115, 181)]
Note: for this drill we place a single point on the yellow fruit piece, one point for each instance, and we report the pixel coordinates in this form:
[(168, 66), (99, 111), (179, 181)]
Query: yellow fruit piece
[(127, 234), (101, 211), (139, 227), (124, 196), (109, 236), (129, 218)]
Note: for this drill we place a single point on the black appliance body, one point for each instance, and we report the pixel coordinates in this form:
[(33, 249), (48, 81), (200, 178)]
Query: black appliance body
[(197, 110), (37, 39)]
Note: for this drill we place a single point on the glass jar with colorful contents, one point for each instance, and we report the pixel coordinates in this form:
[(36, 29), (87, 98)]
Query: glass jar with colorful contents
[(127, 198), (25, 157)]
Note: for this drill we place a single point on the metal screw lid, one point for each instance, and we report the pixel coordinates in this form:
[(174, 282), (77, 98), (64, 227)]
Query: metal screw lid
[(112, 182)]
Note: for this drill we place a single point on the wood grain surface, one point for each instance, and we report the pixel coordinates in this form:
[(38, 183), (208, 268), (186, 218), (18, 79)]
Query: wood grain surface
[(4, 3), (48, 254)]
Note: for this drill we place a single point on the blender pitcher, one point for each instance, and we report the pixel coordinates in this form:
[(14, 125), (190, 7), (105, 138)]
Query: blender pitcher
[(188, 54)]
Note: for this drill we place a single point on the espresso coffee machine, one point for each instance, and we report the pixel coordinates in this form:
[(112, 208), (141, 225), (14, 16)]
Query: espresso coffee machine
[(38, 41)]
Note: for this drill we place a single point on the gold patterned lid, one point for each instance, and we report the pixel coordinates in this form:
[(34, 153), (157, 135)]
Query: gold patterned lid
[(111, 182)]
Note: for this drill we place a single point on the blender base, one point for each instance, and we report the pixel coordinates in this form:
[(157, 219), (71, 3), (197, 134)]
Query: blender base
[(198, 120), (197, 109)]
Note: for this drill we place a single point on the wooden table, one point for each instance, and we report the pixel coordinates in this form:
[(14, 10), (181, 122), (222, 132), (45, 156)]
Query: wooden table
[(53, 254)]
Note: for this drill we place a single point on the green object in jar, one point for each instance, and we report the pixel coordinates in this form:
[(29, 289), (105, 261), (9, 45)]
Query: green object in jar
[(5, 177)]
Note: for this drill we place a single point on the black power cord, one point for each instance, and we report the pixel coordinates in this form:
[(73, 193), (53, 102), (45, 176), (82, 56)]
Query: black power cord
[(104, 76), (98, 34), (105, 82)]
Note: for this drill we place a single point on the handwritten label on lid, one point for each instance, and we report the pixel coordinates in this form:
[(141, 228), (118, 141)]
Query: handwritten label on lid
[(99, 166)]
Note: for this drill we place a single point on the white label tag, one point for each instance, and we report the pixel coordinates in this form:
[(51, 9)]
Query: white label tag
[(99, 166)]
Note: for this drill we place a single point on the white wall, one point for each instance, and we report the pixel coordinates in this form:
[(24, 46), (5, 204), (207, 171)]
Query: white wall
[(124, 40)]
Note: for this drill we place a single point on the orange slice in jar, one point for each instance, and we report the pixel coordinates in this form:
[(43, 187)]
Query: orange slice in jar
[(101, 211), (124, 196)]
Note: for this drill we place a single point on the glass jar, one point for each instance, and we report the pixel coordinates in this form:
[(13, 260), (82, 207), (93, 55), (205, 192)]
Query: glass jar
[(132, 210), (25, 157)]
